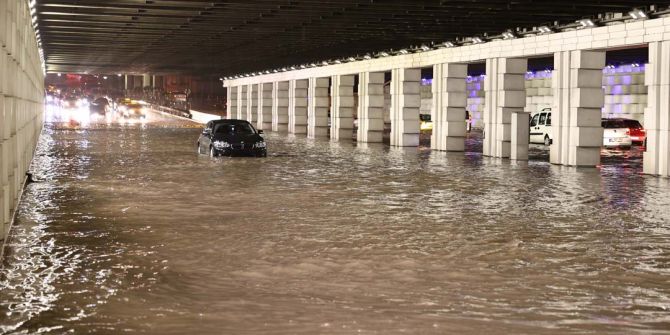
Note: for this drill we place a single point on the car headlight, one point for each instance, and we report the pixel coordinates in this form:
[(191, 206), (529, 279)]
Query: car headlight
[(221, 144), (260, 145)]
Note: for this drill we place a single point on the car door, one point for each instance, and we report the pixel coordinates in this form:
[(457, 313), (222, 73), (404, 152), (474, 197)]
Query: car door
[(542, 127), (534, 129)]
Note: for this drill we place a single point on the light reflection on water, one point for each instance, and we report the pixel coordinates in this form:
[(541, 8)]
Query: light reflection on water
[(130, 230)]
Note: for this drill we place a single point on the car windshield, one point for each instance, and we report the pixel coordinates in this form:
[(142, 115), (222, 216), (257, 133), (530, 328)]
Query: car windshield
[(632, 124), (234, 128), (613, 124)]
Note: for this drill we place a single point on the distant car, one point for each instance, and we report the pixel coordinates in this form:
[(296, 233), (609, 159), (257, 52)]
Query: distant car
[(99, 106), (231, 138), (426, 123), (616, 133), (133, 111), (540, 127)]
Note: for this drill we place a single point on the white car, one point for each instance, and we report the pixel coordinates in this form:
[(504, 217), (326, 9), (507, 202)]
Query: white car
[(540, 127), (616, 133)]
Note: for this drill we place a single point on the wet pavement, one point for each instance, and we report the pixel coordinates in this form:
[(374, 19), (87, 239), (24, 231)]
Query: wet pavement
[(129, 230)]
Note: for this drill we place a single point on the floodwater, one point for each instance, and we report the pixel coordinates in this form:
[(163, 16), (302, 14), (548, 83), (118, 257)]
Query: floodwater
[(128, 230)]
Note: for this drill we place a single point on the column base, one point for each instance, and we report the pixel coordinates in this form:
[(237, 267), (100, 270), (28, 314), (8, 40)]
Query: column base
[(343, 135), (320, 132), (407, 140), (372, 137)]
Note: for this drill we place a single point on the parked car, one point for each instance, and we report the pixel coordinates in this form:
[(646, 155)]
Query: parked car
[(426, 123), (231, 138), (616, 133), (540, 127)]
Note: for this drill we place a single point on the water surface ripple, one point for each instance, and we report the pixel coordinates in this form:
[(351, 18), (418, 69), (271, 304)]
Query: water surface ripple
[(129, 230)]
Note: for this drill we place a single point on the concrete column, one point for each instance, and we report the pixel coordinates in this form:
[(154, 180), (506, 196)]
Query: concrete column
[(317, 109), (233, 102), (280, 106), (449, 101), (242, 99), (505, 94), (297, 110), (128, 83), (342, 113), (405, 104), (657, 114), (576, 113), (370, 107), (520, 136), (264, 120), (252, 104), (153, 81), (146, 80)]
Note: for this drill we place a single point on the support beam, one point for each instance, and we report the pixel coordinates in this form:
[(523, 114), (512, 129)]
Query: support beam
[(342, 115), (505, 94), (232, 102), (657, 114), (297, 110), (264, 120), (405, 104), (318, 108), (578, 100), (252, 104), (520, 136), (449, 101), (280, 106), (370, 107)]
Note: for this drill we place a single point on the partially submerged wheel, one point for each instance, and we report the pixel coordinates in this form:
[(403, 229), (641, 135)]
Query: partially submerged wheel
[(212, 152)]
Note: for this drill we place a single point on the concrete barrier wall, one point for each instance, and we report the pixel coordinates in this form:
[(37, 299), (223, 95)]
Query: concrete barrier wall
[(203, 117), (21, 103)]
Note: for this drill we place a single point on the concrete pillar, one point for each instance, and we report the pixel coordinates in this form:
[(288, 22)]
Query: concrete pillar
[(128, 83), (252, 104), (146, 80), (577, 109), (233, 102), (153, 81), (280, 106), (657, 114), (264, 120), (342, 113), (370, 107), (520, 136), (242, 99), (405, 104), (318, 107), (505, 94), (449, 101), (297, 110)]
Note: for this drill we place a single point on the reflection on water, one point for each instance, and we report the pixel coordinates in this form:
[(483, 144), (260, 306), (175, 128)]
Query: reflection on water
[(129, 230)]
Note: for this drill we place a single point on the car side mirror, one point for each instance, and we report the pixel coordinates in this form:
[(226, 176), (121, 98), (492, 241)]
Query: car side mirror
[(206, 131), (260, 132)]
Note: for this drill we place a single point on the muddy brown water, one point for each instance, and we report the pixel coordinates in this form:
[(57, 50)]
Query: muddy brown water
[(129, 230)]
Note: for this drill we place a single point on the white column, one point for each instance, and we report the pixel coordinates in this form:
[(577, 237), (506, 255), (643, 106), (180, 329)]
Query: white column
[(280, 106), (297, 110), (318, 107), (520, 136), (242, 99), (657, 114), (342, 114), (449, 101), (232, 102), (405, 104), (146, 80), (505, 94), (576, 113), (370, 107), (264, 120), (252, 104)]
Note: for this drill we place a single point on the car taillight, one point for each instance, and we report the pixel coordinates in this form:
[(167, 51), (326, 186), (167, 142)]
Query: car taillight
[(628, 131)]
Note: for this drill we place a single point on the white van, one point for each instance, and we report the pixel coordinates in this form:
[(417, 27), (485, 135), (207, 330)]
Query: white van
[(540, 127)]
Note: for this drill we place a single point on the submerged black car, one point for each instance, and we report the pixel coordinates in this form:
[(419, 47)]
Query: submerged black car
[(231, 138)]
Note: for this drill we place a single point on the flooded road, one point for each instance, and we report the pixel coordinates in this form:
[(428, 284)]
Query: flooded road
[(129, 230)]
